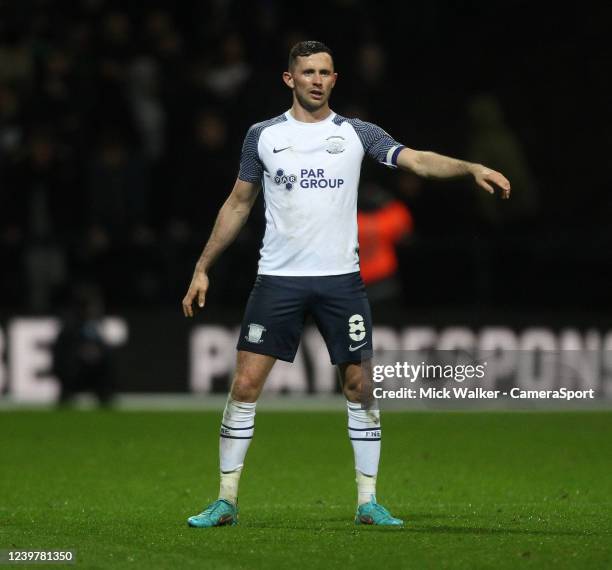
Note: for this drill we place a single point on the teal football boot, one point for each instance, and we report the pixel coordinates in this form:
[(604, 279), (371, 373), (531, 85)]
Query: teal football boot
[(375, 514), (219, 513)]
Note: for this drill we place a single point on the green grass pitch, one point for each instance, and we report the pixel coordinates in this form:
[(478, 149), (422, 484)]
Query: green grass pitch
[(477, 490)]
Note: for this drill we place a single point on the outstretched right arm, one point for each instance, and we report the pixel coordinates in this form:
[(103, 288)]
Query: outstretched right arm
[(231, 218)]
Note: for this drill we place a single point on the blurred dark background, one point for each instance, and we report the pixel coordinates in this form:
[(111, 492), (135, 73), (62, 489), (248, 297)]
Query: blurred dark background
[(121, 126)]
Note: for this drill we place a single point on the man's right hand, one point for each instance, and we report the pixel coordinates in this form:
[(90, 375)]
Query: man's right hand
[(197, 291)]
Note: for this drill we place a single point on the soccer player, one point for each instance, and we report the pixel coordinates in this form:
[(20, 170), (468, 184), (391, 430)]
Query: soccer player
[(308, 162)]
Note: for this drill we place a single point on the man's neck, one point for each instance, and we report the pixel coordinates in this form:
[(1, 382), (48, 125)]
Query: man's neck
[(303, 115)]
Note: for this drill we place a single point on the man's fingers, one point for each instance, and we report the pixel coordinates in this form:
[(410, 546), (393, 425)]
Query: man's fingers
[(501, 181), (197, 293), (487, 186), (505, 185), (497, 179), (187, 301)]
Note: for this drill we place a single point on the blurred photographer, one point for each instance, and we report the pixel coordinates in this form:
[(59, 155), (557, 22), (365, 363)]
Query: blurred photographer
[(81, 357)]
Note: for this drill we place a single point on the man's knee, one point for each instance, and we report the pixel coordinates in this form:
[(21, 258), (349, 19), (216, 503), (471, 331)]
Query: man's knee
[(352, 385), (356, 382), (245, 388), (251, 373), (352, 390)]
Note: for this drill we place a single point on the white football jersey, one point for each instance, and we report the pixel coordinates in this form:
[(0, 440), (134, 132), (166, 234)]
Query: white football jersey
[(310, 174)]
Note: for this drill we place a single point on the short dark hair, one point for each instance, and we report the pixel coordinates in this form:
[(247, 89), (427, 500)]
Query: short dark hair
[(306, 48)]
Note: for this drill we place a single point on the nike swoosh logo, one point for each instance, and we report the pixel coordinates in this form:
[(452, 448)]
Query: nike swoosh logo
[(354, 348), (274, 150)]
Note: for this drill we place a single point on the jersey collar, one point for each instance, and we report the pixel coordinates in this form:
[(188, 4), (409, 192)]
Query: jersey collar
[(325, 121)]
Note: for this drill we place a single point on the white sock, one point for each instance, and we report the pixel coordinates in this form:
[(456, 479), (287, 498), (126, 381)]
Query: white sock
[(228, 487), (237, 428), (365, 434), (366, 488)]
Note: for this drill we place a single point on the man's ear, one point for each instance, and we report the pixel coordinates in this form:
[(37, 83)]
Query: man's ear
[(288, 79)]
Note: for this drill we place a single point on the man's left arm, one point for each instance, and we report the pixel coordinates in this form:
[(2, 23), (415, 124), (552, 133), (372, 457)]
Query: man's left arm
[(432, 165)]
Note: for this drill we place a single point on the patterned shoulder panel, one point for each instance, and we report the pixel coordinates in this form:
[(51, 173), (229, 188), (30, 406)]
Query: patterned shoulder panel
[(377, 143), (251, 167)]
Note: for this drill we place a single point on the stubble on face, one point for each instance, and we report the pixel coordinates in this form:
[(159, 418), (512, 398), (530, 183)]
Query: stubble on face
[(310, 105)]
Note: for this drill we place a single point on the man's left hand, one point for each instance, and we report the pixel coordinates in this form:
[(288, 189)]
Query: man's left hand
[(485, 177)]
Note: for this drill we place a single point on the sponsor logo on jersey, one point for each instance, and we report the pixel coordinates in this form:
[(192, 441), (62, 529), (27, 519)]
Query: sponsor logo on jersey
[(357, 329), (315, 178), (287, 180), (255, 333), (277, 150), (335, 144)]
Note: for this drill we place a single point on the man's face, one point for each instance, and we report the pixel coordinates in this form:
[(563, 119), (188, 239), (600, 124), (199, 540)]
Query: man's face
[(312, 80)]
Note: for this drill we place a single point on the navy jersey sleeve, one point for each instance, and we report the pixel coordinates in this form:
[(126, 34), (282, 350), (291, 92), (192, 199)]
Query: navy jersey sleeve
[(377, 143), (251, 167)]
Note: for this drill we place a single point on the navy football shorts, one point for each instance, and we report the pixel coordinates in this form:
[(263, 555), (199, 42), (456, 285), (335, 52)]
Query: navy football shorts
[(278, 307)]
